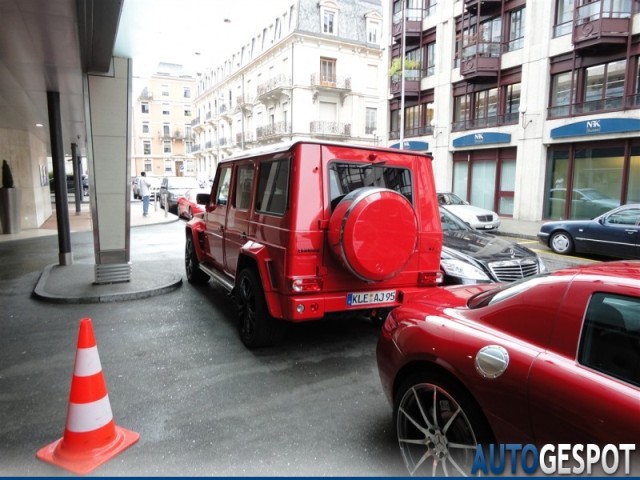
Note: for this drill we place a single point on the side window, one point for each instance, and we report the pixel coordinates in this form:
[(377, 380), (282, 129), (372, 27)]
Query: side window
[(630, 216), (222, 190), (244, 182), (611, 337), (273, 187)]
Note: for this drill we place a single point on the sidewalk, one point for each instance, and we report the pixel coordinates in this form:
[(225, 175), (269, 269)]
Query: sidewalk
[(81, 222), (75, 283)]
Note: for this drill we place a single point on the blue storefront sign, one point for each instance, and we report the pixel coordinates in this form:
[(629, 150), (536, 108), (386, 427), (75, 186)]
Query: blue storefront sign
[(484, 138), (597, 127), (415, 145)]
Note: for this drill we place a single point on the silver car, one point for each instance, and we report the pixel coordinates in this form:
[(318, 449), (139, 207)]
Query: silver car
[(475, 217)]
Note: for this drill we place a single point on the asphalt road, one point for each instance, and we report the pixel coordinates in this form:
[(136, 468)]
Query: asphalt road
[(178, 375)]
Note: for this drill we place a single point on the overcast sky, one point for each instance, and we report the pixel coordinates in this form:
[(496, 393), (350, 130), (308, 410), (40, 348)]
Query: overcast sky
[(189, 32)]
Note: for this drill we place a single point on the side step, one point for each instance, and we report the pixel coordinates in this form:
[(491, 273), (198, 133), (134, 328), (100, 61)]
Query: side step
[(218, 277)]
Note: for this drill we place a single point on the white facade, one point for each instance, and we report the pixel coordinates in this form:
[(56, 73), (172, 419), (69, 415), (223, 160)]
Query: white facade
[(520, 133), (315, 71)]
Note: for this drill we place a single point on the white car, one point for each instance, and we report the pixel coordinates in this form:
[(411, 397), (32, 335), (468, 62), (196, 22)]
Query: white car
[(476, 217)]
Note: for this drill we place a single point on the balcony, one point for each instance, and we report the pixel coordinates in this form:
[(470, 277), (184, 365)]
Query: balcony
[(330, 129), (330, 84), (273, 131), (411, 83), (413, 29), (243, 103), (600, 24), (273, 89), (482, 6), (481, 60)]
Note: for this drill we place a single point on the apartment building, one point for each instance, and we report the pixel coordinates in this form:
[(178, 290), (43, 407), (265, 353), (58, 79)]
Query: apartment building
[(531, 108), (313, 71), (162, 132)]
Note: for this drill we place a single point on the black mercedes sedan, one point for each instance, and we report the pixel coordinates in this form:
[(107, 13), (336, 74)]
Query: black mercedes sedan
[(615, 234), (471, 256)]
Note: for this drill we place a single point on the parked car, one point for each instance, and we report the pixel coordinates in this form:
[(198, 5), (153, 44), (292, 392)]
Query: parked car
[(173, 188), (310, 229), (71, 184), (154, 189), (476, 217), (473, 256), (613, 234), (585, 202), (188, 205), (551, 359)]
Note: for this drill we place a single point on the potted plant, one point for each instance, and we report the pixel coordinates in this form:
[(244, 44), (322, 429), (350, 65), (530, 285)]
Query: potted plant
[(410, 65), (9, 201)]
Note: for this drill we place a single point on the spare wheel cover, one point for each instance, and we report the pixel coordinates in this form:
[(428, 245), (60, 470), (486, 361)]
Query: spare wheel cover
[(374, 232)]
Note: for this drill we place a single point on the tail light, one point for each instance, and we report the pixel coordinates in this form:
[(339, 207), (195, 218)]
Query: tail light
[(430, 278), (306, 284)]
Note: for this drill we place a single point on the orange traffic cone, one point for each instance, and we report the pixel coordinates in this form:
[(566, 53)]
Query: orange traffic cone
[(91, 437)]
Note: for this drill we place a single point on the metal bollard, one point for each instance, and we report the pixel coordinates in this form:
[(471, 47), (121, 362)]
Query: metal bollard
[(166, 207), (155, 202)]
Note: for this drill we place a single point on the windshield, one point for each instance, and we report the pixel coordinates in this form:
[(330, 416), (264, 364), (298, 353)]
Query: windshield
[(451, 223), (450, 199), (503, 292)]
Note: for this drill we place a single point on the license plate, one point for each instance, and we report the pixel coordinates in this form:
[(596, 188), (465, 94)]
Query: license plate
[(371, 298)]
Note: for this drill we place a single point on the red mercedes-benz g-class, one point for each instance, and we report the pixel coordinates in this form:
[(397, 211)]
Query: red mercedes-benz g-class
[(313, 228)]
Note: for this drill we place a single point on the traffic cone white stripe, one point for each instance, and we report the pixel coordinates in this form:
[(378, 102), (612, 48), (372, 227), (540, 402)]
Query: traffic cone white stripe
[(86, 417), (87, 362)]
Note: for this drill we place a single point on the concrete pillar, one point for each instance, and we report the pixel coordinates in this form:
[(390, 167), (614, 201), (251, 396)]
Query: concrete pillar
[(108, 113)]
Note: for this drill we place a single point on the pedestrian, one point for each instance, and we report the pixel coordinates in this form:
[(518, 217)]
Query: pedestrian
[(144, 186)]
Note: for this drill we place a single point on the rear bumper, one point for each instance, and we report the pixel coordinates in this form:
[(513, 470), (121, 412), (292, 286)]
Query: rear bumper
[(301, 308)]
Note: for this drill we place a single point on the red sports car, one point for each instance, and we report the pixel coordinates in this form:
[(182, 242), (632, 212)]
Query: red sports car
[(187, 205), (552, 359)]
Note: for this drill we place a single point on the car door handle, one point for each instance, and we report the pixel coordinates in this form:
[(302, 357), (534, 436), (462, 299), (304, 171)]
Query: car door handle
[(631, 232)]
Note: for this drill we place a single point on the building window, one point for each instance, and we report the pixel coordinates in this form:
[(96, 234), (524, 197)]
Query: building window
[(412, 120), (166, 130), (145, 127), (512, 106), (146, 147), (329, 18), (187, 132), (166, 146), (371, 121), (187, 111), (430, 7), (516, 30), (164, 90), (166, 109), (564, 17), (327, 71), (591, 89), (144, 107), (186, 92), (373, 32), (430, 59), (148, 167), (168, 166)]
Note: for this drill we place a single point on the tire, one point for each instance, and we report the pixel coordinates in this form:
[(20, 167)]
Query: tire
[(195, 276), (438, 448), (256, 326), (561, 243)]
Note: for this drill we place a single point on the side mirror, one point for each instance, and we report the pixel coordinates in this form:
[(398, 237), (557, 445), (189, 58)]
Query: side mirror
[(202, 198)]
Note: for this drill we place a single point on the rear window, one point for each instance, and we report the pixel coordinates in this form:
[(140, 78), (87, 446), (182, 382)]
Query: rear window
[(345, 177)]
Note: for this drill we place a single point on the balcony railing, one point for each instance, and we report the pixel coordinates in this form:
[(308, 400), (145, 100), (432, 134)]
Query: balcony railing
[(481, 59), (485, 6), (485, 122), (276, 129), (413, 23), (330, 81), (593, 106), (411, 83), (601, 23), (273, 84), (337, 129)]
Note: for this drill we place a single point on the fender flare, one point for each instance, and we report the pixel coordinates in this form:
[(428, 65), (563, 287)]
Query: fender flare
[(258, 254)]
